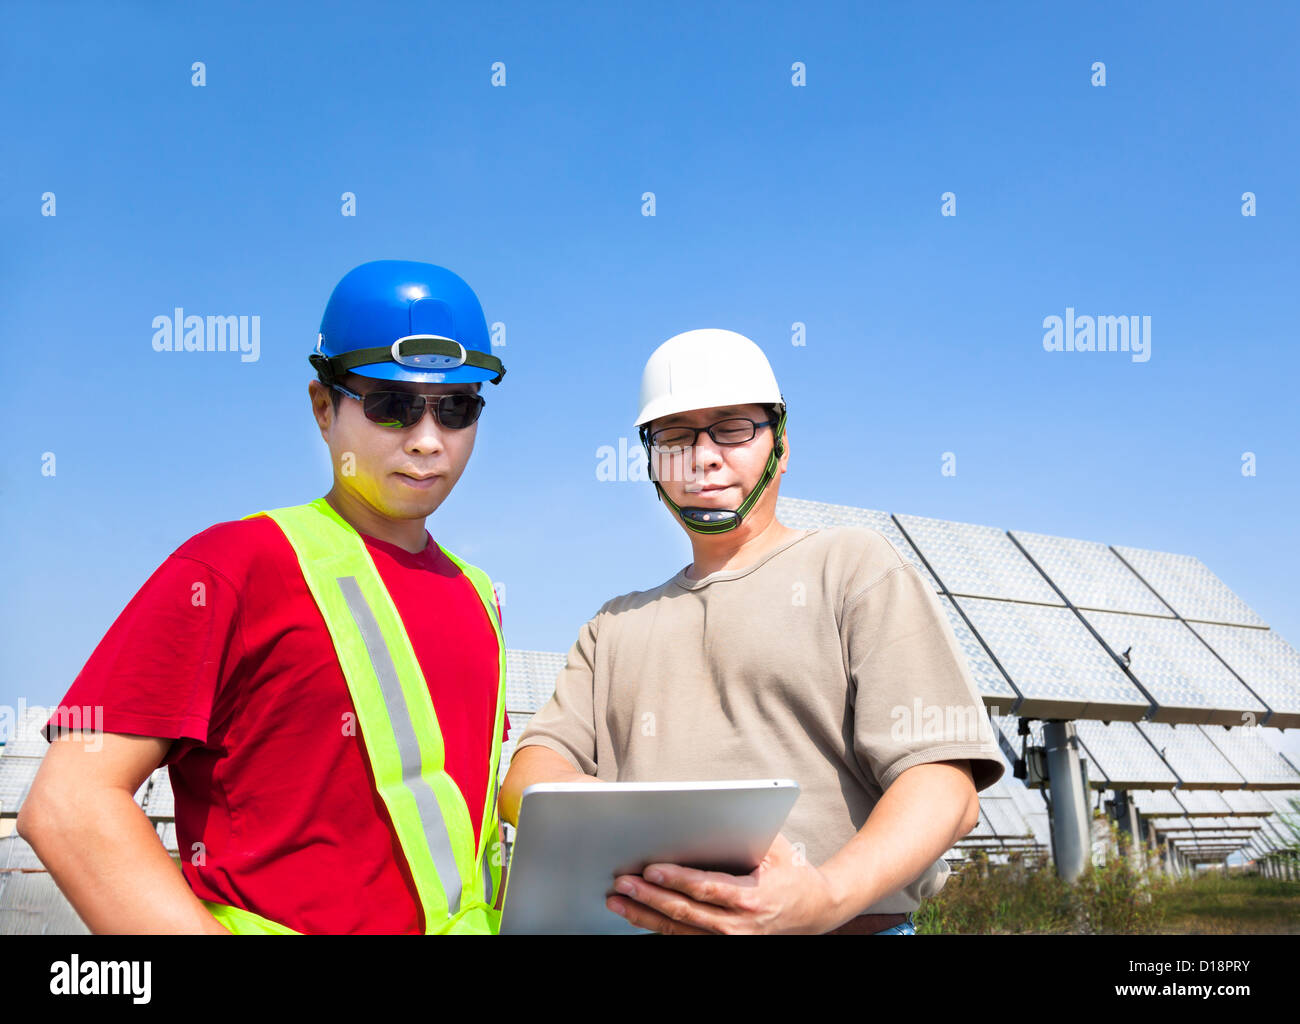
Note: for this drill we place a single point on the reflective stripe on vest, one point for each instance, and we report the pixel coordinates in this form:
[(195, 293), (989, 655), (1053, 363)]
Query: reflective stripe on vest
[(399, 725)]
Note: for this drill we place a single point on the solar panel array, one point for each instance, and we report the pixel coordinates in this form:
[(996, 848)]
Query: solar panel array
[(1077, 629)]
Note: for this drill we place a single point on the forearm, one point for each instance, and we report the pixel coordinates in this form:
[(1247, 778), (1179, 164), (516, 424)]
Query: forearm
[(530, 765), (927, 809), (106, 857)]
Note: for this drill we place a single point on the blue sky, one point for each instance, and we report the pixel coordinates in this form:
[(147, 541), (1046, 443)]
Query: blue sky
[(774, 204)]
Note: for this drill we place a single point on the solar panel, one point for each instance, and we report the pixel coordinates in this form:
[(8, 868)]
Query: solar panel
[(1185, 824), (989, 679), (1269, 665), (16, 854), (1028, 801), (27, 740), (518, 723), (1206, 803), (530, 678), (1007, 735), (983, 829), (1260, 765), (1124, 755), (1285, 820), (1052, 659), (799, 514), (1032, 808), (1206, 840), (1188, 587), (1003, 814), (1090, 574), (1283, 802), (1262, 843), (1279, 833), (1188, 682), (1191, 755), (978, 561), (1215, 848), (16, 775), (1245, 801), (31, 904), (160, 802), (1153, 803)]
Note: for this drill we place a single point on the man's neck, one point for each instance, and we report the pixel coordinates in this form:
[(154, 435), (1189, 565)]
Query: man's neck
[(738, 548), (407, 534)]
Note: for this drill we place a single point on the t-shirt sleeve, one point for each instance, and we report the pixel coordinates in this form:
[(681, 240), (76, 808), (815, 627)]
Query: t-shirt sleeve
[(159, 668), (915, 701), (567, 722)]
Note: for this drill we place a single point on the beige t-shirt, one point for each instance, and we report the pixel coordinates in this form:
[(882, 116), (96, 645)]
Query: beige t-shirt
[(829, 661)]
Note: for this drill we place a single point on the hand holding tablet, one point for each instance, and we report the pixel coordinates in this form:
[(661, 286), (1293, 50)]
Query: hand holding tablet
[(573, 839)]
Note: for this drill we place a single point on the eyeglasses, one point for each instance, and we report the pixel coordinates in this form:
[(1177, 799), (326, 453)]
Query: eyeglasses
[(738, 430), (405, 409)]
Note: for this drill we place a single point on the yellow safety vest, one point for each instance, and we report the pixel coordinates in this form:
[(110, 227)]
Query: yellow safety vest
[(456, 882)]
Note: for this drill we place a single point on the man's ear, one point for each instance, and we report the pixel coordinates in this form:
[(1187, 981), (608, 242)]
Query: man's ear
[(322, 406), (785, 450)]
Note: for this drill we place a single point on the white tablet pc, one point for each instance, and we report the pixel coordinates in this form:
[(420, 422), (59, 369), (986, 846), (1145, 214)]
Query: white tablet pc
[(574, 838)]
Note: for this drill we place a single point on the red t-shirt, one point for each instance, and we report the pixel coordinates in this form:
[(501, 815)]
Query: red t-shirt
[(224, 651)]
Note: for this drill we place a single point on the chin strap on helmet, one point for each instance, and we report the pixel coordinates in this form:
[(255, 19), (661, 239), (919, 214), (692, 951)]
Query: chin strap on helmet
[(721, 520)]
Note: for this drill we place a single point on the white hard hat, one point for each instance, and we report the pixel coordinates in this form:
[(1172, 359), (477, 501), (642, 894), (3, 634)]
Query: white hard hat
[(703, 369)]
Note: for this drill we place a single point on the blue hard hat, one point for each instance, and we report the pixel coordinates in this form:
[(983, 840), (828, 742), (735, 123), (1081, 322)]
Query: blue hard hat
[(402, 320)]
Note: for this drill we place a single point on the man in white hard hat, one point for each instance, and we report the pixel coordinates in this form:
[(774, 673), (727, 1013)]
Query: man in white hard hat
[(777, 653)]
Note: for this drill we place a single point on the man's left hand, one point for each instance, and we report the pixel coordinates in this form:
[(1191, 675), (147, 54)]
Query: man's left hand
[(784, 894)]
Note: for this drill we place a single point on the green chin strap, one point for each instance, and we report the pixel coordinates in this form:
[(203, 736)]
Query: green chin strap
[(721, 520)]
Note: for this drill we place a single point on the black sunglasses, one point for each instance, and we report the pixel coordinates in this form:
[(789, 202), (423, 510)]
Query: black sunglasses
[(405, 409)]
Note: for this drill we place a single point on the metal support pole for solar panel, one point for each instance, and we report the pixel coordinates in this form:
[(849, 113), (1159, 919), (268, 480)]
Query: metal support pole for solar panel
[(1071, 817), (1127, 819)]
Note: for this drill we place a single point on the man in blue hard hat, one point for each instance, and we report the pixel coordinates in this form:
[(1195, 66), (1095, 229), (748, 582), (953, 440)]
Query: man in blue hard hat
[(333, 759)]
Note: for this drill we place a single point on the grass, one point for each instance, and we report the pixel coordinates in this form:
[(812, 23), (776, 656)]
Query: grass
[(1109, 899)]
